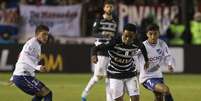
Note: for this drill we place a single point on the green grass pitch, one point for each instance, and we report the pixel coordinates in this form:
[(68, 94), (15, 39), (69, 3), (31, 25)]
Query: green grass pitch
[(68, 87)]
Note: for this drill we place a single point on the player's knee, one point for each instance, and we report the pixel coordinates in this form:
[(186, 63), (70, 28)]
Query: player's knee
[(97, 78), (135, 98), (119, 98), (100, 77), (50, 93), (44, 91), (165, 90)]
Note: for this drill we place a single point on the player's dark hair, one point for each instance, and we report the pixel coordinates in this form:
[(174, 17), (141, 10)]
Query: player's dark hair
[(40, 28), (153, 27), (130, 27), (108, 2)]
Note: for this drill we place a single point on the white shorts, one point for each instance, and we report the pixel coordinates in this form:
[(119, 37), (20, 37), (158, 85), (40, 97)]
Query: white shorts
[(118, 87), (101, 66)]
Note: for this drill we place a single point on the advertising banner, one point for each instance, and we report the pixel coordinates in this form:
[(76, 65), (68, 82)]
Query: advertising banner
[(62, 20), (135, 14), (57, 58)]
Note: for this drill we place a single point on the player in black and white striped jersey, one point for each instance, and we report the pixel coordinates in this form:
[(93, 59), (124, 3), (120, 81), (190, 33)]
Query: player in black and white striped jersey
[(121, 70), (104, 28)]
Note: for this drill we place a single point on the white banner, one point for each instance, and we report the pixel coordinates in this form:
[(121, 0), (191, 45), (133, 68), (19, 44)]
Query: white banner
[(135, 14), (62, 20)]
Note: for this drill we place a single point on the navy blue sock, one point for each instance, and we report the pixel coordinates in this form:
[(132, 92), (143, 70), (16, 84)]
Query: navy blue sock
[(168, 97), (48, 97), (37, 98)]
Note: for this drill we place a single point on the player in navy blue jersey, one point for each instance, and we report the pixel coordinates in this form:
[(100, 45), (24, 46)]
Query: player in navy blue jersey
[(159, 56), (24, 73)]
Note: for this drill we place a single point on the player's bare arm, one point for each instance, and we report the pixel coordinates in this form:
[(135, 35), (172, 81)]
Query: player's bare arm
[(94, 59)]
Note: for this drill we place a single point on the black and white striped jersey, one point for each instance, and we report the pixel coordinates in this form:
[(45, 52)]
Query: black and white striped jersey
[(121, 64), (101, 28)]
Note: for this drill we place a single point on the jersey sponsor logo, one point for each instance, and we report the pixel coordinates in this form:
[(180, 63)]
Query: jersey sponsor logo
[(151, 59), (120, 60), (159, 51), (94, 24)]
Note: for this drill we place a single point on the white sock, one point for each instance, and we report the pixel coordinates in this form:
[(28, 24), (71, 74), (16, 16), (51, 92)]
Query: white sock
[(89, 86), (108, 93)]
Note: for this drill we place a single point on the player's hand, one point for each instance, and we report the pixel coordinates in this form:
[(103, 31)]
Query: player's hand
[(43, 69), (170, 68), (94, 59), (146, 65)]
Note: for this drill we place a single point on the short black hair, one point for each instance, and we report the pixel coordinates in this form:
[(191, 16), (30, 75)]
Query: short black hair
[(130, 27), (40, 28), (108, 2), (153, 27)]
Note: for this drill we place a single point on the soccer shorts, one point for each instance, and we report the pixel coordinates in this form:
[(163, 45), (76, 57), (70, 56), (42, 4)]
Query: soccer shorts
[(28, 84), (150, 83), (101, 66), (119, 86)]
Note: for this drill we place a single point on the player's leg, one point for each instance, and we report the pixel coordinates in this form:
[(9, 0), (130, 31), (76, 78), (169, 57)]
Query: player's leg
[(42, 90), (150, 84), (46, 93), (99, 73), (116, 89), (158, 96), (94, 79), (25, 84), (132, 86), (162, 88), (119, 98), (37, 98), (34, 87), (157, 85), (134, 98), (108, 92), (107, 88)]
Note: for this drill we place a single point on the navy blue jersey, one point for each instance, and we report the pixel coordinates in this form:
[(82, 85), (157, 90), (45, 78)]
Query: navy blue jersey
[(121, 64)]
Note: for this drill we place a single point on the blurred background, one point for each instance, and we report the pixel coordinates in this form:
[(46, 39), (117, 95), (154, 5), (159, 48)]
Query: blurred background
[(67, 54)]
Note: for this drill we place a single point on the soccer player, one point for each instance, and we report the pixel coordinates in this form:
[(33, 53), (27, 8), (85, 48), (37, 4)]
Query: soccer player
[(24, 73), (121, 70), (158, 55), (105, 28)]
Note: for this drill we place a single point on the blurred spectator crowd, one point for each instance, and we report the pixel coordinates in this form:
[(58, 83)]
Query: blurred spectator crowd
[(177, 33)]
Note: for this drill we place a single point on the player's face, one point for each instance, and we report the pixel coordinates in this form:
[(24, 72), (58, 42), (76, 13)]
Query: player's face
[(128, 37), (152, 36), (42, 36), (108, 8)]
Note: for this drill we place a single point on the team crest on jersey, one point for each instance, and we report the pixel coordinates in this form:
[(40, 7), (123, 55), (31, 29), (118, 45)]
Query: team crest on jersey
[(94, 24), (159, 51)]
